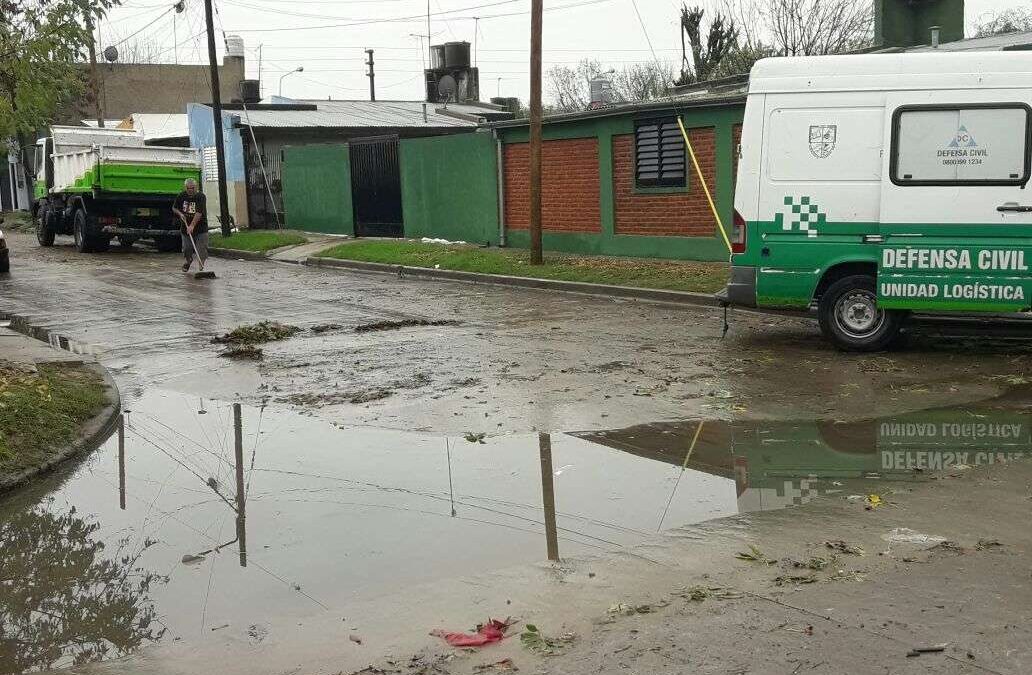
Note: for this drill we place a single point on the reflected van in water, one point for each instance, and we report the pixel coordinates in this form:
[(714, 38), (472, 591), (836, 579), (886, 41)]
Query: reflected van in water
[(212, 513)]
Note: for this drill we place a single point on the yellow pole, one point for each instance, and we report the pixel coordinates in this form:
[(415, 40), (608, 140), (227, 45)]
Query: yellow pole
[(705, 188)]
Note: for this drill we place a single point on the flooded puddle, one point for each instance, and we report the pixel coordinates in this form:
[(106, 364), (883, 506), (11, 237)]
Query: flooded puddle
[(203, 514)]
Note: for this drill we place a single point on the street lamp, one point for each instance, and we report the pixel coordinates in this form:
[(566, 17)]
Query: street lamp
[(299, 69)]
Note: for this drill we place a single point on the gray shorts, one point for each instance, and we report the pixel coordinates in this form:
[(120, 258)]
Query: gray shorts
[(201, 240)]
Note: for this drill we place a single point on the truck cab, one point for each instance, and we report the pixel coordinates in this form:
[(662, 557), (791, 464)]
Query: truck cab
[(873, 185)]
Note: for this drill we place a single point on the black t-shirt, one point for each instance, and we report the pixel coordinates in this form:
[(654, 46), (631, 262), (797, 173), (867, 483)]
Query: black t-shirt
[(189, 205)]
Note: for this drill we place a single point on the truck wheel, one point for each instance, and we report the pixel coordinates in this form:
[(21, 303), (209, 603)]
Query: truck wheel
[(850, 317), (80, 230), (44, 232)]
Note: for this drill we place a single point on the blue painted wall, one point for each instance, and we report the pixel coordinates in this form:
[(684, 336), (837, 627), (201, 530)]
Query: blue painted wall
[(202, 133)]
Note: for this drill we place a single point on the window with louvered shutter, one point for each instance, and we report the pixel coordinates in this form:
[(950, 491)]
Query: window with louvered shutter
[(659, 154)]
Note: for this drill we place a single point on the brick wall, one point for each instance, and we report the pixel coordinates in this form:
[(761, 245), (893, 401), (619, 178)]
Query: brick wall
[(569, 186), (685, 214)]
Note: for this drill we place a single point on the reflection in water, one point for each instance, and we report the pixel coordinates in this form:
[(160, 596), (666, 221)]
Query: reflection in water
[(65, 600), (781, 463), (241, 511), (324, 516), (548, 495)]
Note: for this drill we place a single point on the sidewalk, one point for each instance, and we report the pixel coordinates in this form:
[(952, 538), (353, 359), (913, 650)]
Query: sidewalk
[(20, 349), (313, 254), (61, 404)]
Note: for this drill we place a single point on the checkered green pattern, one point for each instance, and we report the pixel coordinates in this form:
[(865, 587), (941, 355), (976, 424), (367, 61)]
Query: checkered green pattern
[(802, 215)]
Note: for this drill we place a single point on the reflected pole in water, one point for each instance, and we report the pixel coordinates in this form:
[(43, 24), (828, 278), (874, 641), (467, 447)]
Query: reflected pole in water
[(451, 490), (238, 448), (684, 466), (121, 462), (548, 495)]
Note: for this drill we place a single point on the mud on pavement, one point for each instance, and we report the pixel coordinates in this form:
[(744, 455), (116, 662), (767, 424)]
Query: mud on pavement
[(518, 360), (321, 508)]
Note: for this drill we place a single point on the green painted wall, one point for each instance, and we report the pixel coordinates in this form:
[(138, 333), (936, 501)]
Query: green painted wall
[(607, 242), (449, 187), (317, 188)]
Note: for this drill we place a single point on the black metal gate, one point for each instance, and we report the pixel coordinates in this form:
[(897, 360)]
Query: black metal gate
[(261, 211), (376, 187)]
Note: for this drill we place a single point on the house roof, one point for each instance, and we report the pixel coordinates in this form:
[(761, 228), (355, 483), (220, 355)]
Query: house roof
[(1003, 42), (158, 126), (617, 109), (369, 114)]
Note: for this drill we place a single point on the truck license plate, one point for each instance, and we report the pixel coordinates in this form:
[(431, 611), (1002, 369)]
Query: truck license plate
[(145, 212)]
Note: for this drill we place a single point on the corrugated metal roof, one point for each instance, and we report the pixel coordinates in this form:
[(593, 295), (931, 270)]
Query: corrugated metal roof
[(155, 126), (1004, 41), (359, 114), (631, 108)]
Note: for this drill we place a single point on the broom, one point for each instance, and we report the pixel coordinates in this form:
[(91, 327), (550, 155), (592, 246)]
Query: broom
[(201, 274)]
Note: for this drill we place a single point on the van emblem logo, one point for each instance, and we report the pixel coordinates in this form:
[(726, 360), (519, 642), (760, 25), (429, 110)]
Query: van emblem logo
[(963, 139), (822, 139)]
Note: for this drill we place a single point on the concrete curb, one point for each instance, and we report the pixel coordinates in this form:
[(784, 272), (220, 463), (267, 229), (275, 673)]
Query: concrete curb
[(92, 434), (651, 294), (235, 254)]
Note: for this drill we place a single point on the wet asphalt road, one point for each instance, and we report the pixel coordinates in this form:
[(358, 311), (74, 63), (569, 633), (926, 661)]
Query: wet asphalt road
[(358, 482), (518, 360)]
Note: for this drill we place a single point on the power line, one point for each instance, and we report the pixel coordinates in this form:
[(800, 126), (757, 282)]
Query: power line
[(645, 31), (440, 12), (145, 27), (499, 49), (419, 18)]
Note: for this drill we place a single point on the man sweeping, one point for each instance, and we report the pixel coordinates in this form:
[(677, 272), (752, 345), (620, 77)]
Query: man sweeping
[(191, 208)]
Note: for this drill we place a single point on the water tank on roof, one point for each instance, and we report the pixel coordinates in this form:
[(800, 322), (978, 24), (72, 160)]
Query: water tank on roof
[(456, 55), (235, 46), (249, 91), (436, 57)]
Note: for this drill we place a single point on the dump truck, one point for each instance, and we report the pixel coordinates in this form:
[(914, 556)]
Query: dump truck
[(98, 184)]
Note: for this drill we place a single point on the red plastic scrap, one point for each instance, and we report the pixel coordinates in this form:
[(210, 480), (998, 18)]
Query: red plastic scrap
[(490, 632)]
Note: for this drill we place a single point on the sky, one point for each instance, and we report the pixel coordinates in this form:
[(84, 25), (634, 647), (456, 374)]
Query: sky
[(328, 38)]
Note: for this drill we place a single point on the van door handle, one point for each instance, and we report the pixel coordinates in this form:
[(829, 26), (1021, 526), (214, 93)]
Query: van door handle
[(1014, 206)]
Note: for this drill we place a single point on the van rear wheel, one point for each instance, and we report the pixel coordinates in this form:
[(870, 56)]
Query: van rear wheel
[(851, 319)]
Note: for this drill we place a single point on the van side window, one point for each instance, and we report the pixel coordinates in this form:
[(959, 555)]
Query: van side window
[(968, 144), (659, 154)]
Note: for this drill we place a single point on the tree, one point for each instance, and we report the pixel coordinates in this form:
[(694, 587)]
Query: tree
[(803, 27), (1014, 20), (63, 599), (721, 40), (643, 81), (570, 88), (135, 50), (42, 43)]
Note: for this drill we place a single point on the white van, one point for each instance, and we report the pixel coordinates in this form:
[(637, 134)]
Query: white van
[(872, 185)]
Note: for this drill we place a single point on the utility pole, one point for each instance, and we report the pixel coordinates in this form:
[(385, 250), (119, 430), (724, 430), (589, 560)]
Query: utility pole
[(371, 75), (98, 109), (216, 113), (535, 132), (548, 495)]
